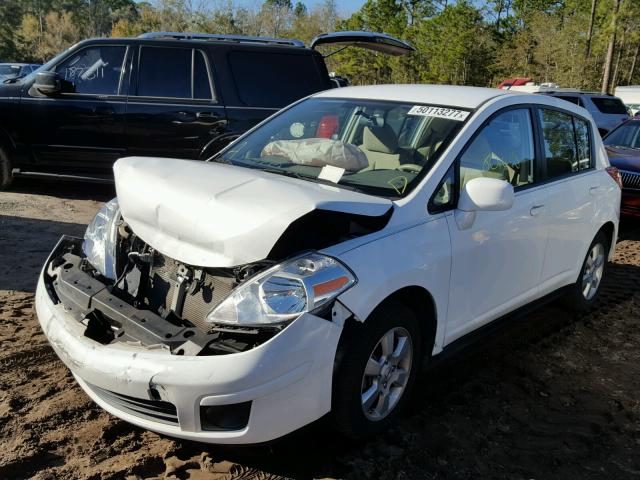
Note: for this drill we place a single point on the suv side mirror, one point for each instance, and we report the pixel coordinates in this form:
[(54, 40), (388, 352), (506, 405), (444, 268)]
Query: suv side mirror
[(483, 194), (48, 83)]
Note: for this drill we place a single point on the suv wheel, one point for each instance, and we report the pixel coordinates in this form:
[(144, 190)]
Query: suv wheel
[(6, 175), (585, 291), (376, 369)]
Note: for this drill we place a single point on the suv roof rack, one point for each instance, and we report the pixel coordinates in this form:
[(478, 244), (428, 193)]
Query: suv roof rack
[(223, 38)]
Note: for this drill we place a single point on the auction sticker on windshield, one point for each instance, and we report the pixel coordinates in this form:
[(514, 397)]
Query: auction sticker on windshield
[(439, 112)]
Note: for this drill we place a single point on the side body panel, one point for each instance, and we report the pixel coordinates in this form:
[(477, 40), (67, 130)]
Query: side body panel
[(496, 263), (419, 255)]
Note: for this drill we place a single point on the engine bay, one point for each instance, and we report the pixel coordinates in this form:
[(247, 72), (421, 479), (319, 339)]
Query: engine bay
[(155, 302)]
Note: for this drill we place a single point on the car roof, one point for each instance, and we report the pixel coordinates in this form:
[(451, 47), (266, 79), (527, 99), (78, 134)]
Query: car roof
[(571, 93), (232, 41), (446, 95)]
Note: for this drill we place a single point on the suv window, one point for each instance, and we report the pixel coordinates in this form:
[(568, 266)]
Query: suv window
[(165, 72), (503, 149), (567, 144), (201, 84), (273, 79), (574, 100), (93, 70), (609, 105)]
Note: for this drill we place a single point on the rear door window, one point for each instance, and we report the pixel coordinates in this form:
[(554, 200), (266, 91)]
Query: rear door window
[(93, 70), (265, 79), (567, 143), (164, 72), (583, 143), (609, 105), (201, 83)]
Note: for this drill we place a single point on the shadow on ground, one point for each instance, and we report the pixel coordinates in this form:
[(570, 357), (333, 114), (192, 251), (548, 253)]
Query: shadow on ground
[(68, 190), (25, 245)]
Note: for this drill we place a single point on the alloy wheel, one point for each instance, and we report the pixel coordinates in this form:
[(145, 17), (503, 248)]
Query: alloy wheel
[(593, 270), (386, 374)]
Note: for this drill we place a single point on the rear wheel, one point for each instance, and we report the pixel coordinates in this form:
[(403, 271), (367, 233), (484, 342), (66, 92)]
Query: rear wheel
[(585, 291), (6, 175), (376, 370)]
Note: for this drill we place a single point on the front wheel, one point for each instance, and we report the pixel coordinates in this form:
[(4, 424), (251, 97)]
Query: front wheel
[(583, 294), (376, 369)]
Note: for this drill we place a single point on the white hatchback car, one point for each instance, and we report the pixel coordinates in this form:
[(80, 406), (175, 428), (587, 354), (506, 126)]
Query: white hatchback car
[(312, 265)]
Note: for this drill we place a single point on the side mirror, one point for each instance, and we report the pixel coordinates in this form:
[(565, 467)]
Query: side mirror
[(482, 194), (48, 83)]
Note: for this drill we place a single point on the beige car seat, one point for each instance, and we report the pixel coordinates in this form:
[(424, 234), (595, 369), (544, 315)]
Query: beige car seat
[(437, 130), (477, 161), (380, 145)]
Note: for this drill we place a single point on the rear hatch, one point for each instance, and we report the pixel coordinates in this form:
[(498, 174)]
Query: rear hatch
[(378, 42)]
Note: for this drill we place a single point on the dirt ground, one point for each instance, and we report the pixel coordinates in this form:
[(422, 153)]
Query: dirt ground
[(550, 396)]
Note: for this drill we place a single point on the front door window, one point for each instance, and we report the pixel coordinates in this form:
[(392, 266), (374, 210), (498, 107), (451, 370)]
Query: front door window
[(93, 70)]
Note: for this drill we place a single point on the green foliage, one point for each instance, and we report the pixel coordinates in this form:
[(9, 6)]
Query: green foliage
[(470, 42)]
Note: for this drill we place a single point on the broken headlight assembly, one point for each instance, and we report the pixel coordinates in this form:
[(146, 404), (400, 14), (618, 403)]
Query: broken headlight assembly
[(284, 292), (100, 239)]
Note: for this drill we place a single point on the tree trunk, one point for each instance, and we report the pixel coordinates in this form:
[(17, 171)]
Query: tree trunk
[(614, 81), (633, 64), (606, 77), (590, 31)]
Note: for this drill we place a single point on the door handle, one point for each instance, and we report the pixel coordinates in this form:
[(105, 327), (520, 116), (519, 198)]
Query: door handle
[(594, 190), (208, 117), (183, 117), (104, 111), (536, 210)]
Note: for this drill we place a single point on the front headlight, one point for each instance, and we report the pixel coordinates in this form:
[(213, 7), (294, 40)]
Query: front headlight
[(99, 244), (284, 292)]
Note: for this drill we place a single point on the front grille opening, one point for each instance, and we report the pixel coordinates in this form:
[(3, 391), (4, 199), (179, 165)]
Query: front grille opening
[(630, 180), (219, 418), (154, 410)]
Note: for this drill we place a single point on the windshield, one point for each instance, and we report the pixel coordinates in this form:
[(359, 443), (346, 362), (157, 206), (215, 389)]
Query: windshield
[(627, 135), (376, 147), (9, 70)]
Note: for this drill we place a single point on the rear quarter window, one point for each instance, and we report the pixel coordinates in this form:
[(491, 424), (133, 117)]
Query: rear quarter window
[(574, 100), (609, 105), (274, 79)]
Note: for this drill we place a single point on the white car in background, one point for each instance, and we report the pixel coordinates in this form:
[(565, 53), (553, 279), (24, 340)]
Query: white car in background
[(312, 265)]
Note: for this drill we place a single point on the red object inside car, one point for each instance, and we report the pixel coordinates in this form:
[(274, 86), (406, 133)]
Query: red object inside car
[(327, 127)]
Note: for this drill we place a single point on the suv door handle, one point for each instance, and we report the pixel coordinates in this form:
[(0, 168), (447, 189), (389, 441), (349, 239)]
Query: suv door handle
[(210, 117), (104, 111), (594, 190), (536, 210)]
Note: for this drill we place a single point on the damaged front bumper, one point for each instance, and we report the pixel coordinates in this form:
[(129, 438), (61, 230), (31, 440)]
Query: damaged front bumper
[(248, 397)]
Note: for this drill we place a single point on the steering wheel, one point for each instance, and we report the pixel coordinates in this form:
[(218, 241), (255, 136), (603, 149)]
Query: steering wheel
[(409, 167)]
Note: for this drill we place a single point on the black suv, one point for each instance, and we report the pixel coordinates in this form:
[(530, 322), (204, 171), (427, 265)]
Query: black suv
[(162, 94)]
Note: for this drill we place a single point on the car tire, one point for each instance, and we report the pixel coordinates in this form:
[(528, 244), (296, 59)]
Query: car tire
[(6, 175), (583, 294), (365, 369)]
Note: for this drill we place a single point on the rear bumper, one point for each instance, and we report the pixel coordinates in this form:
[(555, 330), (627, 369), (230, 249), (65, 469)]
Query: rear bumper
[(287, 379)]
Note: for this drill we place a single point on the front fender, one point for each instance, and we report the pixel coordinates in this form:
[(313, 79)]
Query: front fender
[(384, 266)]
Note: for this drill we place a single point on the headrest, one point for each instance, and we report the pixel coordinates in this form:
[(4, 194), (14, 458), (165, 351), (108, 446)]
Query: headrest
[(380, 139)]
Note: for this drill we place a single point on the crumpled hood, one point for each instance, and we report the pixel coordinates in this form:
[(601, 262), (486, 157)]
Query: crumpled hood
[(218, 215)]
